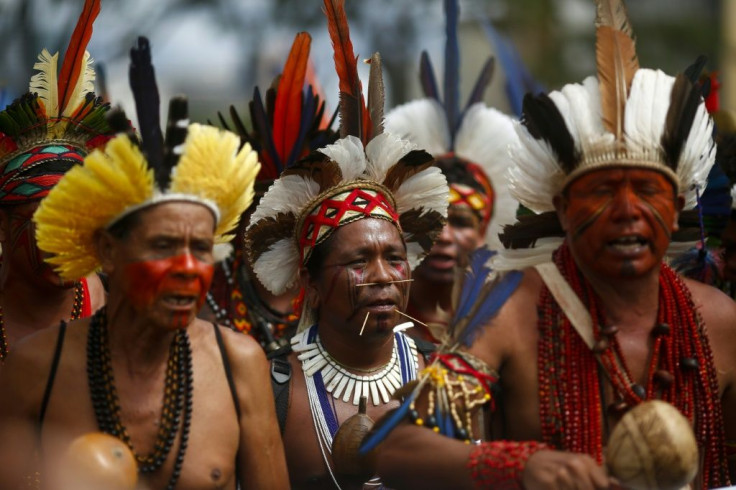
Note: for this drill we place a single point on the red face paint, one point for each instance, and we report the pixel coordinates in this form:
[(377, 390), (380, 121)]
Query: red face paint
[(619, 221), (175, 287)]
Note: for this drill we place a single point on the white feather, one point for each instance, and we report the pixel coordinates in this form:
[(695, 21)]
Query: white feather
[(349, 154), (45, 82), (518, 259), (383, 152), (697, 157), (85, 84), (287, 195), (414, 253), (646, 110), (425, 190), (278, 267), (423, 122)]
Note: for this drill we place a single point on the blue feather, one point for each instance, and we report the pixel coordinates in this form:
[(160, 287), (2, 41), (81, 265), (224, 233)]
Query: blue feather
[(484, 79), (518, 80), (452, 69), (427, 78), (490, 305), (473, 282), (375, 438), (308, 101), (449, 426)]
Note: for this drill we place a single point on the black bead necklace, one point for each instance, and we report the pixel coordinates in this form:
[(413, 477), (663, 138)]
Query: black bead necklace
[(177, 403)]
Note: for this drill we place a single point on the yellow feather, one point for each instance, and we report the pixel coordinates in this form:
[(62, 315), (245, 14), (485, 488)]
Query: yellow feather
[(45, 82), (85, 84), (86, 200), (212, 168)]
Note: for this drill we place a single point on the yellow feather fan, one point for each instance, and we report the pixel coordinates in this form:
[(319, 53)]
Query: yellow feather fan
[(86, 200), (212, 168), (112, 183)]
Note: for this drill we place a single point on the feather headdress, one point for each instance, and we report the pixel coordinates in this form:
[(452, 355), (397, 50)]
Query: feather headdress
[(194, 163), (56, 123), (473, 140), (291, 123), (366, 173), (626, 116)]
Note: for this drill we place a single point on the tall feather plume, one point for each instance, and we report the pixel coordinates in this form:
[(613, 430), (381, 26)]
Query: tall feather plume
[(452, 69), (288, 107), (616, 60), (45, 84), (376, 96), (75, 78), (147, 102), (352, 105)]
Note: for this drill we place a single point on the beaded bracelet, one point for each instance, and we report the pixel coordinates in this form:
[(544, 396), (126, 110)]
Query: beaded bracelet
[(500, 464)]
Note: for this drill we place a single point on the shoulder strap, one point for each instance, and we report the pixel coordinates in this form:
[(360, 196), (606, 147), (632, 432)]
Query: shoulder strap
[(570, 303), (52, 376), (281, 384), (228, 369)]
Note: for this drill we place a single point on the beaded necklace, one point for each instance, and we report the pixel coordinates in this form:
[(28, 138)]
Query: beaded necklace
[(680, 371), (78, 308), (177, 407), (320, 370)]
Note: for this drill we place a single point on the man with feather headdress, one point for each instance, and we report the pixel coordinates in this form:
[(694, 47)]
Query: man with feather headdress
[(190, 399), (349, 221), (605, 324), (43, 134)]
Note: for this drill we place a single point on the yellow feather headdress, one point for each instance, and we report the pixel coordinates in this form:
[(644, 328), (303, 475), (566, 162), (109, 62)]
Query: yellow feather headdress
[(118, 181)]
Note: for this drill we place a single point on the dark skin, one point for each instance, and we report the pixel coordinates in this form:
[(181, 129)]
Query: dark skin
[(32, 295), (140, 332), (728, 241), (366, 251), (625, 276), (431, 292)]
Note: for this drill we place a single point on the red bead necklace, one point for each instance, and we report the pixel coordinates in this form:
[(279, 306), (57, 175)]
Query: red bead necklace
[(681, 371)]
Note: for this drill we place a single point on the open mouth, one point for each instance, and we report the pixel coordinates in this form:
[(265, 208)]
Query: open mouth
[(629, 244), (381, 305), (440, 261), (179, 301)]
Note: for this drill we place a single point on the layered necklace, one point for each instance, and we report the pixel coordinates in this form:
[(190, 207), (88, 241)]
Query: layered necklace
[(573, 408), (326, 376), (177, 404), (78, 307)]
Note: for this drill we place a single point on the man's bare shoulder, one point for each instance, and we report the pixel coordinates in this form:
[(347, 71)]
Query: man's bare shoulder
[(717, 308), (516, 318)]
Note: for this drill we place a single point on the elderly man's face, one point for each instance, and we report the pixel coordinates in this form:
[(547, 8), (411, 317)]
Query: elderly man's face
[(164, 265), (619, 221), (356, 278)]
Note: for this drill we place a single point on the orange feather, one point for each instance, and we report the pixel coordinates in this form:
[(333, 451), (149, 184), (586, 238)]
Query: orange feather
[(74, 56), (352, 105), (288, 107)]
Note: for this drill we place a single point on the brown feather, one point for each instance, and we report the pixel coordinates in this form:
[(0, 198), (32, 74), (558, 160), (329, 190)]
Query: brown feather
[(617, 61), (376, 96), (410, 164), (319, 168), (530, 228), (422, 224), (262, 235)]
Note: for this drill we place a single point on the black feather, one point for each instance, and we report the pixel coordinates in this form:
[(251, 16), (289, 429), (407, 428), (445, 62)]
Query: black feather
[(544, 121), (119, 123), (147, 103), (693, 71), (176, 133), (530, 228), (684, 102)]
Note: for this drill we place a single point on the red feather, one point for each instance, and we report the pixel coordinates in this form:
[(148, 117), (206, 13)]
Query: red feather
[(72, 67), (288, 111), (352, 105)]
